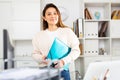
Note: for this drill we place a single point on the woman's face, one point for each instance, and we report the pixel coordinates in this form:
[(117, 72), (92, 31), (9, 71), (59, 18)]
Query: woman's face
[(51, 16)]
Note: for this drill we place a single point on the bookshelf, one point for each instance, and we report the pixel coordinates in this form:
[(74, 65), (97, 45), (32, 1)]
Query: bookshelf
[(101, 35)]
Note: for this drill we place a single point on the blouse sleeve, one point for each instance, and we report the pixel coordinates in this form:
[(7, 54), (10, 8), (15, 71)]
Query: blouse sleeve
[(36, 52), (74, 44)]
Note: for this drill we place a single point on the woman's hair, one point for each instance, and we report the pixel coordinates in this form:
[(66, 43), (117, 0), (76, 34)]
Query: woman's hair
[(59, 23)]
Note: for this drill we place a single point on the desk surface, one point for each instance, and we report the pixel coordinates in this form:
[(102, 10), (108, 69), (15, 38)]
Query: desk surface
[(28, 74)]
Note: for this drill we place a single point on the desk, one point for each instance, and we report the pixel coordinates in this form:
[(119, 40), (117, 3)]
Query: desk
[(29, 74)]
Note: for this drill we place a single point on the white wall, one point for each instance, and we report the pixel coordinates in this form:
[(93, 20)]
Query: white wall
[(26, 19), (5, 21)]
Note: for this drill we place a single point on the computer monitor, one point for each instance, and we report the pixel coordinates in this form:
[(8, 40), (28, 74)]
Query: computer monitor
[(8, 51), (102, 70)]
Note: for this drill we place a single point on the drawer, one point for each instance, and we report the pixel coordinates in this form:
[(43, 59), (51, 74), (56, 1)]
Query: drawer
[(115, 58), (19, 64)]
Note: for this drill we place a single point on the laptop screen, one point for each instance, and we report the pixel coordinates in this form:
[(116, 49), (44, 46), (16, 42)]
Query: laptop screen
[(103, 70)]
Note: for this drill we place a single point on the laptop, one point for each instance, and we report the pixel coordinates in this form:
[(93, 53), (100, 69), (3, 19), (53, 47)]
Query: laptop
[(107, 70)]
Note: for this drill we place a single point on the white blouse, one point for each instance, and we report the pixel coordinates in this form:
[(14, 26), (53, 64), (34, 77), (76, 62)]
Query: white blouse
[(42, 42)]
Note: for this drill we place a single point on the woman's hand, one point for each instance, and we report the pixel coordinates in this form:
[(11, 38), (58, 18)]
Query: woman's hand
[(59, 64), (40, 57), (44, 59)]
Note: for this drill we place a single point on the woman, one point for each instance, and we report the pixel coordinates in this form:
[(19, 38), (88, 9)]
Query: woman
[(52, 28)]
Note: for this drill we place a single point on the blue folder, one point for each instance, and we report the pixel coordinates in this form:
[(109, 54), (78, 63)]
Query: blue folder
[(58, 50)]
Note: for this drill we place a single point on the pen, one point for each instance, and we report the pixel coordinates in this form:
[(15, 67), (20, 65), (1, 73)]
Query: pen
[(53, 64), (105, 78)]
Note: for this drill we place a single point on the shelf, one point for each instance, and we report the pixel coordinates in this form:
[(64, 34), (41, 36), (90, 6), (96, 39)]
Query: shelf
[(80, 38), (82, 56), (23, 58), (101, 34), (96, 4), (94, 20), (115, 6), (115, 37), (102, 9), (116, 56), (101, 38)]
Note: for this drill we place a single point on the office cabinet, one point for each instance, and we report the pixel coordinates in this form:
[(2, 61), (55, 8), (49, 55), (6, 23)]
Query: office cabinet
[(25, 63), (101, 35), (26, 19)]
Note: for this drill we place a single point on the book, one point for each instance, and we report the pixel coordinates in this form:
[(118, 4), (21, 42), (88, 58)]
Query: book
[(58, 50), (87, 14), (114, 14), (81, 48), (80, 26), (76, 28), (102, 32), (118, 15)]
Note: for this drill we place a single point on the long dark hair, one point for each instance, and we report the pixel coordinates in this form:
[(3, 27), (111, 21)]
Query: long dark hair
[(59, 23)]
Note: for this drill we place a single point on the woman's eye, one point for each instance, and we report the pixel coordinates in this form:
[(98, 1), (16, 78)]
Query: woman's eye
[(55, 13), (48, 14), (51, 14)]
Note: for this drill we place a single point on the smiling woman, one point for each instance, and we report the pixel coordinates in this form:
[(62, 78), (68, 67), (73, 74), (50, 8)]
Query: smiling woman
[(53, 28)]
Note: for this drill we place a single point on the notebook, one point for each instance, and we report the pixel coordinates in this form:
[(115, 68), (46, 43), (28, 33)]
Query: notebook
[(58, 50)]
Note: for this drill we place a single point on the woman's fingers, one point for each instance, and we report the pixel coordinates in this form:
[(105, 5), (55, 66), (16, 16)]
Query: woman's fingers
[(59, 64)]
